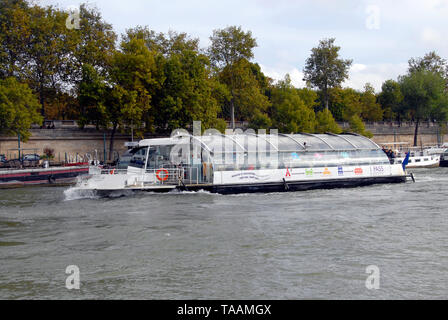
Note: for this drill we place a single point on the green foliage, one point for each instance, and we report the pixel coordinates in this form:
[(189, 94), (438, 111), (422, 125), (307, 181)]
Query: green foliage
[(391, 100), (19, 108), (187, 93), (308, 96), (371, 110), (423, 92), (133, 83), (91, 97), (288, 112), (345, 103), (425, 97), (14, 34), (93, 44), (326, 123), (431, 62), (324, 69), (245, 92), (357, 126), (230, 51), (231, 45)]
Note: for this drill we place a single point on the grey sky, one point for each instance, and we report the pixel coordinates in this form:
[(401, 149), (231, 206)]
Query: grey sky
[(380, 36)]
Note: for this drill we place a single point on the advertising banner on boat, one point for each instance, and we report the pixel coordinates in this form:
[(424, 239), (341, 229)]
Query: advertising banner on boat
[(300, 174)]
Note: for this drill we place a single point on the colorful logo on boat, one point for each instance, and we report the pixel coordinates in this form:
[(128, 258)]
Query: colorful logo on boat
[(359, 171), (327, 172), (340, 171), (309, 172)]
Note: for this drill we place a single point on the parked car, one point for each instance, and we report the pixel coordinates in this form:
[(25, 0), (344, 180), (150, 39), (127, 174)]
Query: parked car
[(31, 157)]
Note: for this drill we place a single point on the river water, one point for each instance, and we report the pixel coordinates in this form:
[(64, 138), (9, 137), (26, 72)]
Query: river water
[(305, 245)]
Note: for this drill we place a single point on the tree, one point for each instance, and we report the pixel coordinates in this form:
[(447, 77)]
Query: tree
[(371, 110), (231, 45), (171, 43), (430, 62), (324, 69), (391, 99), (93, 44), (424, 94), (187, 93), (308, 96), (345, 103), (14, 34), (357, 126), (245, 92), (230, 51), (326, 123), (19, 108), (47, 52), (131, 86), (289, 113), (92, 98)]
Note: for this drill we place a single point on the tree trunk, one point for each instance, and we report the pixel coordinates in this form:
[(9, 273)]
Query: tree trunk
[(326, 97), (416, 132), (112, 137), (232, 113), (42, 101)]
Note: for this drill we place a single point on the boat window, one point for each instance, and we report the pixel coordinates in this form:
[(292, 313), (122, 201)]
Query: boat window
[(257, 152), (138, 158)]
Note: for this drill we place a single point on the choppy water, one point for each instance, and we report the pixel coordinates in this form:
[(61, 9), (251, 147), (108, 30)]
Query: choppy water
[(305, 245)]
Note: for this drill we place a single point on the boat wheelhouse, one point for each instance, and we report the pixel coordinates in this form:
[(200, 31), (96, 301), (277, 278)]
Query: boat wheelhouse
[(250, 162)]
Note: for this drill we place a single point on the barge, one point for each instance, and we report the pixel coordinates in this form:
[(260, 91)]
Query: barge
[(249, 162), (13, 178)]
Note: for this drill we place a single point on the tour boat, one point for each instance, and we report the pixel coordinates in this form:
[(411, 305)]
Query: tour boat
[(248, 162)]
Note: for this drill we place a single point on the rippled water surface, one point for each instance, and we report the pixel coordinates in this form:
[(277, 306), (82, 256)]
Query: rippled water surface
[(304, 245)]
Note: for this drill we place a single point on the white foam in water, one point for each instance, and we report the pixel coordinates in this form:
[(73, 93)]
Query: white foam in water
[(75, 193), (175, 191)]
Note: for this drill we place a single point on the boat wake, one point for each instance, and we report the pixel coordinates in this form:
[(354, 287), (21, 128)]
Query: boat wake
[(75, 193)]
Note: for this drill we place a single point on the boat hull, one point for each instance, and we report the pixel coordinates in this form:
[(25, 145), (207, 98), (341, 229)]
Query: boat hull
[(44, 176), (290, 186)]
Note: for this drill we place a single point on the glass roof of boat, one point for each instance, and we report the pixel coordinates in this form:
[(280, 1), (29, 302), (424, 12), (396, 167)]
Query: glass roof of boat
[(247, 142)]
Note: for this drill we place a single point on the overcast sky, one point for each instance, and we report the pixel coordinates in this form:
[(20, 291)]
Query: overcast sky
[(380, 36)]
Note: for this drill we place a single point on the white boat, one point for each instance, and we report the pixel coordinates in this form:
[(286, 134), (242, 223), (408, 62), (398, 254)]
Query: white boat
[(436, 150), (419, 157), (243, 163)]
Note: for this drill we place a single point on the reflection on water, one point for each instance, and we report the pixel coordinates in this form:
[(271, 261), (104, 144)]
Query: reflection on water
[(304, 245)]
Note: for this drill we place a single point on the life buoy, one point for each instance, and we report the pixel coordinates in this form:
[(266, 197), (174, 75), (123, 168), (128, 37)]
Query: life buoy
[(165, 177)]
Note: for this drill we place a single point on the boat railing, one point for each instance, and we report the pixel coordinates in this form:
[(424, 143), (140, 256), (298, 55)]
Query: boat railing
[(175, 175)]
